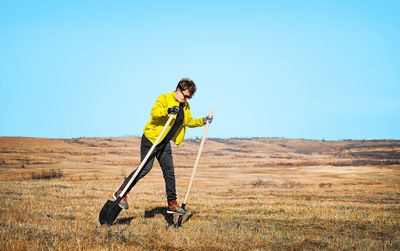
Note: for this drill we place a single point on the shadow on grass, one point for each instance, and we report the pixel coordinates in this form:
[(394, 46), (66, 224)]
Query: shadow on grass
[(171, 219), (124, 221)]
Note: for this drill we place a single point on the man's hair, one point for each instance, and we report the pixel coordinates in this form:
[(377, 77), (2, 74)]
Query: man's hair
[(186, 84)]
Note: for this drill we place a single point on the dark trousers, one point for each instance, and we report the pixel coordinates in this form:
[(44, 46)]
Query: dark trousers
[(163, 153)]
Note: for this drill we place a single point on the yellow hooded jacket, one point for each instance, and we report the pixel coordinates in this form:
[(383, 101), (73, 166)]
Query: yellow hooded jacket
[(159, 116)]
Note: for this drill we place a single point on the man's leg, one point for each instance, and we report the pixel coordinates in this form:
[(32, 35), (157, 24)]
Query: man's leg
[(144, 149), (164, 157)]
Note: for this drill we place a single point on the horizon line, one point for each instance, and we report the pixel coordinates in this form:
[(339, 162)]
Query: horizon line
[(213, 138)]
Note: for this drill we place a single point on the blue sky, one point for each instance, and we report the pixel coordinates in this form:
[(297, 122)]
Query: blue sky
[(295, 69)]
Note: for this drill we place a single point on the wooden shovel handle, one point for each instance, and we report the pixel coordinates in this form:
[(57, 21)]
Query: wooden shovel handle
[(196, 163)]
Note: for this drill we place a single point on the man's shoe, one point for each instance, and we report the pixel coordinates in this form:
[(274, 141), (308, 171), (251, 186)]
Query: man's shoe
[(174, 208), (123, 203)]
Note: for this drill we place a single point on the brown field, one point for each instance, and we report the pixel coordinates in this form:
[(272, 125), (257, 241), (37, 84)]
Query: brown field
[(248, 194)]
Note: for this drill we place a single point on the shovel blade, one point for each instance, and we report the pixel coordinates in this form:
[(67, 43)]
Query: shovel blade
[(109, 212), (180, 219)]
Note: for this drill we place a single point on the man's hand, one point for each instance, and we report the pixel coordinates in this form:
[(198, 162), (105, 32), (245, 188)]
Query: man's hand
[(208, 119), (173, 110)]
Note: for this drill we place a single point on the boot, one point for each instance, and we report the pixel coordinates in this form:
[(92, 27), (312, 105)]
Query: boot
[(123, 202), (174, 208)]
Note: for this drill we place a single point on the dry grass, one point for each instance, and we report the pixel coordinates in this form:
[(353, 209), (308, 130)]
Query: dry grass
[(236, 203), (47, 174)]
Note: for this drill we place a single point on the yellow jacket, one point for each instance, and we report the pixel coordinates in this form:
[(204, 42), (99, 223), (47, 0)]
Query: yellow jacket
[(159, 117)]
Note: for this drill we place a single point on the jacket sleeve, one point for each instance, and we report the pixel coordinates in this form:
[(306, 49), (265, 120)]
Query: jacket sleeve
[(159, 108), (192, 122)]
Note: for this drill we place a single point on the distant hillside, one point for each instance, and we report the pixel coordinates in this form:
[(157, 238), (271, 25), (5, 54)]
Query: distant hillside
[(23, 153)]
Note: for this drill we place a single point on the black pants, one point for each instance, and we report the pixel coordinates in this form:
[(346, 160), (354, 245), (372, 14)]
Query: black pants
[(163, 153)]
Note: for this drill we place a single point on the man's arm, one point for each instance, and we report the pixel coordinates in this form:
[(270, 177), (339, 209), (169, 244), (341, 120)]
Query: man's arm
[(191, 122), (159, 108)]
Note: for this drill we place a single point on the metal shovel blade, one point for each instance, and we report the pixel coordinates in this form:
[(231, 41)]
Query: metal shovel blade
[(109, 212), (180, 219)]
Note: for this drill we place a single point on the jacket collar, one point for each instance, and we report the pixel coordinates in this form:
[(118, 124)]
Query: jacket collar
[(174, 95)]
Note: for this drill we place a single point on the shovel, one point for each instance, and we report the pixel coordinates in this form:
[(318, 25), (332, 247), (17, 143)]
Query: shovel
[(196, 163), (111, 209)]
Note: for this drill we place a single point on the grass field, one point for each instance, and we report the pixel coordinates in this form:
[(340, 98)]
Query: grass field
[(249, 194)]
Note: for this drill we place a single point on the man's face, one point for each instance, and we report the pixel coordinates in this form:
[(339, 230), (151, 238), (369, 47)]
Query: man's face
[(183, 96)]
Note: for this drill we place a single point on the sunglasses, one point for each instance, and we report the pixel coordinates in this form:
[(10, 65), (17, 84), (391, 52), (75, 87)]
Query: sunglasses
[(185, 96)]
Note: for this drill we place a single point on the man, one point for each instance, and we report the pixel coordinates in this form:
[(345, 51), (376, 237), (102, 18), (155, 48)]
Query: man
[(175, 103)]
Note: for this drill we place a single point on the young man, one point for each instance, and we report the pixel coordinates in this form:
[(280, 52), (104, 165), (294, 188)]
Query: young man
[(175, 103)]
